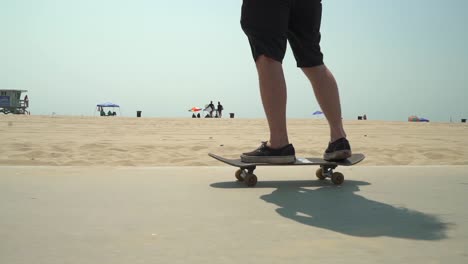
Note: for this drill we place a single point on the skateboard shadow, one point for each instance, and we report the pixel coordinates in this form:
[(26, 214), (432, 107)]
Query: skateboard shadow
[(276, 184), (340, 209)]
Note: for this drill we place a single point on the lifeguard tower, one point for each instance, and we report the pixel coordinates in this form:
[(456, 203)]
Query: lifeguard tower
[(11, 102)]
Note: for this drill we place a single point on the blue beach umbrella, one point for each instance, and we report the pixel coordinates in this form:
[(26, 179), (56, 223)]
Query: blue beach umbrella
[(108, 104), (317, 113)]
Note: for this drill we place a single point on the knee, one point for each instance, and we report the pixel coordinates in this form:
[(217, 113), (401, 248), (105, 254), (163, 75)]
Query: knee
[(264, 59)]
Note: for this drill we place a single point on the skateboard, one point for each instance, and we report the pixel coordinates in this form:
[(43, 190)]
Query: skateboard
[(245, 173)]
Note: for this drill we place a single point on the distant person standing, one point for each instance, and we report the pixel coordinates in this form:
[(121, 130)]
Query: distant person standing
[(212, 108), (220, 110)]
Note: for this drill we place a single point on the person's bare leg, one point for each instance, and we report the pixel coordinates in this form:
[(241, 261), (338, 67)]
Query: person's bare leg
[(274, 96), (326, 92)]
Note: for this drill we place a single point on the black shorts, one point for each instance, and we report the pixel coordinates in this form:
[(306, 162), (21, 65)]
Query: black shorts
[(269, 24)]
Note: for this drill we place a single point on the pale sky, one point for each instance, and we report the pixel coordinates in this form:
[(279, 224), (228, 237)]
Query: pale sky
[(391, 59)]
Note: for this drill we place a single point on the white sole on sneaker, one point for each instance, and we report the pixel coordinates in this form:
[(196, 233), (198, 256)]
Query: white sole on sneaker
[(268, 159), (337, 155)]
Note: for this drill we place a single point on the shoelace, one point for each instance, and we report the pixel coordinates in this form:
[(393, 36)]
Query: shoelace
[(262, 146)]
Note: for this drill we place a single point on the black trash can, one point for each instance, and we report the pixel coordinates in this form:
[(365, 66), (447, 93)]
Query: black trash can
[(231, 115), (464, 120), (138, 113)]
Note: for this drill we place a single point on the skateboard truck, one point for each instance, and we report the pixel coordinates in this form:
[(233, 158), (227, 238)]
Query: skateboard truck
[(326, 171), (245, 174)]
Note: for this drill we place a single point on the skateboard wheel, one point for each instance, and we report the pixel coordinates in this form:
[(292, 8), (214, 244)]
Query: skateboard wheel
[(319, 174), (337, 178), (239, 173), (250, 180)]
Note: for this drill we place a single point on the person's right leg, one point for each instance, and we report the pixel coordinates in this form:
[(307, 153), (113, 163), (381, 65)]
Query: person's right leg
[(326, 92), (304, 36)]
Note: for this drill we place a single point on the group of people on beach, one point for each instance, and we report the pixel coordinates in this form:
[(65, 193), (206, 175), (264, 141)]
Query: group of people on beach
[(103, 113), (210, 108), (218, 111)]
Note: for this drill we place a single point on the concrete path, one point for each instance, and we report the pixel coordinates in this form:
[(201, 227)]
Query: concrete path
[(200, 215)]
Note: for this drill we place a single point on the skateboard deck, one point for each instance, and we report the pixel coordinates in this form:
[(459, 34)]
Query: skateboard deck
[(245, 171)]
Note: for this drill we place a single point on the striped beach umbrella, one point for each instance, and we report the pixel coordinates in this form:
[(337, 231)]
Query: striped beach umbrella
[(195, 109)]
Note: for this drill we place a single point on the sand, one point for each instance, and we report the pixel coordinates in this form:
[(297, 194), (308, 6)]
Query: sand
[(120, 141)]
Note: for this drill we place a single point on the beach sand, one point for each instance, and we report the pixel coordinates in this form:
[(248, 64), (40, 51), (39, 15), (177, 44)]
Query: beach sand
[(120, 141)]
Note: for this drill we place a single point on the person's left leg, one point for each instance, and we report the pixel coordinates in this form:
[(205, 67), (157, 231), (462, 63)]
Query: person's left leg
[(274, 97), (265, 23), (273, 94)]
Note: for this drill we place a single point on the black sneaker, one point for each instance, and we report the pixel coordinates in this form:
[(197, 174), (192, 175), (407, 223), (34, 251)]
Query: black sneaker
[(338, 150), (265, 154)]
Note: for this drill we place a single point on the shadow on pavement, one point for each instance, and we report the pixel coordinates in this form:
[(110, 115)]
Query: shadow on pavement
[(340, 209)]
